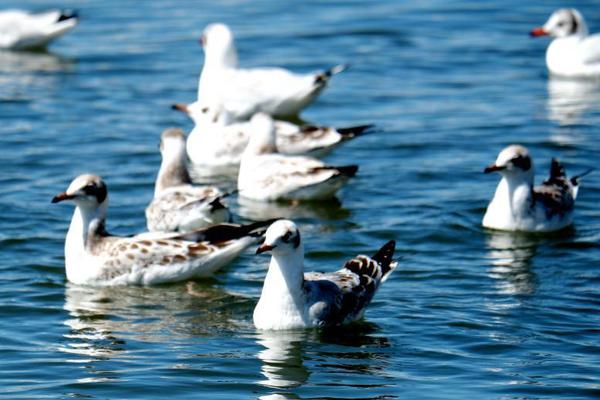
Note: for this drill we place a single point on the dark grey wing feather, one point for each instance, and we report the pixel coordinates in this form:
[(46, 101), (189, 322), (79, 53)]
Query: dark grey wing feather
[(555, 193)]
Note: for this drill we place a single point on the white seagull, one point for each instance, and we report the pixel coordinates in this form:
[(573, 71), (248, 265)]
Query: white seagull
[(21, 30), (178, 206), (244, 92), (572, 52), (268, 176), (293, 299), (519, 206), (217, 140), (94, 257)]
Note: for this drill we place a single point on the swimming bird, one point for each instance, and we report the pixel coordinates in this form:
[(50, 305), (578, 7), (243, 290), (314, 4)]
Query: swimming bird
[(244, 92), (178, 206), (293, 299), (268, 176), (21, 30), (95, 257), (519, 206), (572, 52), (218, 140)]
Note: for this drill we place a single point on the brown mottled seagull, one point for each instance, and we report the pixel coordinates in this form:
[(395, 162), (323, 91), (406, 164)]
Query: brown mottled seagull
[(293, 299), (94, 257), (178, 206)]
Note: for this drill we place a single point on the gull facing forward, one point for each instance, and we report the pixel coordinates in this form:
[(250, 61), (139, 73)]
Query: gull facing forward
[(94, 257), (268, 176), (20, 30), (293, 299), (572, 52), (244, 92), (178, 206), (519, 206)]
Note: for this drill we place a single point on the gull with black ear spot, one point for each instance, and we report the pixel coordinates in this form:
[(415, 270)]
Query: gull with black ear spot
[(95, 257), (572, 52), (519, 206), (292, 299)]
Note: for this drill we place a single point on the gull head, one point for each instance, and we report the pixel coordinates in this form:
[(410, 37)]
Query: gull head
[(282, 237), (172, 143), (562, 23), (513, 161), (218, 44), (87, 191), (206, 115), (262, 139)]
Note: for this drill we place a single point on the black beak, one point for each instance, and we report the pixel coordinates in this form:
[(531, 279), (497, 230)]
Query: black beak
[(263, 248), (61, 197), (492, 168)]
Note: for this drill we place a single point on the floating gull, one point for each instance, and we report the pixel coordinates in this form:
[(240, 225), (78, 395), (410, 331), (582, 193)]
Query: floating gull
[(244, 92), (519, 206), (94, 257), (572, 52), (216, 132), (20, 30), (177, 205), (292, 299), (268, 176)]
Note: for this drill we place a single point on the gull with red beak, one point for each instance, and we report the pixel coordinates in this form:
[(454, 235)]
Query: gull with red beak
[(292, 299), (572, 52), (95, 257), (519, 206), (244, 92)]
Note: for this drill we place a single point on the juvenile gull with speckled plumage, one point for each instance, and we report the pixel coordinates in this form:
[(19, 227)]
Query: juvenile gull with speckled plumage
[(178, 206), (293, 299), (519, 206), (94, 257)]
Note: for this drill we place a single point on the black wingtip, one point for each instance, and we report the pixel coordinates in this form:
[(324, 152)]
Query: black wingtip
[(348, 170), (557, 170), (353, 131), (385, 256), (68, 14)]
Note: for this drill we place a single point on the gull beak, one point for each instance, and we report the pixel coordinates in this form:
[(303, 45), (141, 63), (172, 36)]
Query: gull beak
[(202, 41), (180, 107), (492, 168), (538, 32), (61, 197), (263, 248)]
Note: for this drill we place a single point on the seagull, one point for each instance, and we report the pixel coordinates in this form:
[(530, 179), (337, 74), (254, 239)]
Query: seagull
[(519, 206), (218, 140), (268, 176), (572, 52), (178, 206), (244, 92), (95, 257), (293, 299), (21, 30)]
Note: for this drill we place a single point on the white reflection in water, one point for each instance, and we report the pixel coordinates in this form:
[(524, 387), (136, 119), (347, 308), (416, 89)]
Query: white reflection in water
[(510, 257), (329, 210), (569, 99), (282, 364)]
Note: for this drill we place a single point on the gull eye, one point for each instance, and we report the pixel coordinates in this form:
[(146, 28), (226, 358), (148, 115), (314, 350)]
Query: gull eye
[(286, 237), (204, 110)]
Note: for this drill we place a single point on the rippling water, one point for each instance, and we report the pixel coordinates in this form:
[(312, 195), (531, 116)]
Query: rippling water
[(469, 314)]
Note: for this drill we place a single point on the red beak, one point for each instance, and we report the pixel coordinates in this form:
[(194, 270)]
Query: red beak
[(180, 107), (263, 248), (538, 32), (61, 197), (492, 168)]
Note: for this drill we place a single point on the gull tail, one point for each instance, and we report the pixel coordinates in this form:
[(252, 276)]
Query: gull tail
[(353, 131), (224, 232), (576, 180), (67, 14)]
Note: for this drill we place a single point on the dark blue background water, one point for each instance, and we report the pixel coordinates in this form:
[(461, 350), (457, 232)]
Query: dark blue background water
[(469, 314)]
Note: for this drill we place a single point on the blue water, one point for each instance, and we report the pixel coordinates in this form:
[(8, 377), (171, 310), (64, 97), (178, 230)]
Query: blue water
[(470, 314)]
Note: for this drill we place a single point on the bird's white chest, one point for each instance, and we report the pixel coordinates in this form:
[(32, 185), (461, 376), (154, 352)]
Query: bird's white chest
[(564, 58), (510, 207)]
